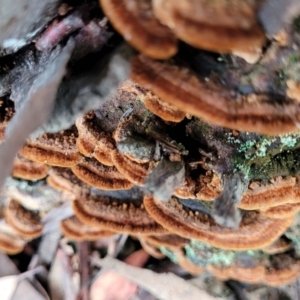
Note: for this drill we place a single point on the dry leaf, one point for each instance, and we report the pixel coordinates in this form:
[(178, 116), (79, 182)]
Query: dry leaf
[(8, 285), (60, 278), (112, 286), (163, 286)]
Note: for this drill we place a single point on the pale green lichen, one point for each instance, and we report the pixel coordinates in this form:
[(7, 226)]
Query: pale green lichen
[(169, 254)]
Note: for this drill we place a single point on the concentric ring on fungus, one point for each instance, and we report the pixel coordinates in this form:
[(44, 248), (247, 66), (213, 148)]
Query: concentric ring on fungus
[(55, 149), (10, 242), (100, 176), (210, 101), (121, 216), (278, 191), (92, 140), (74, 229), (25, 222), (133, 171), (161, 108), (255, 231), (135, 20), (219, 26), (29, 170), (259, 274), (63, 179), (282, 211), (279, 246)]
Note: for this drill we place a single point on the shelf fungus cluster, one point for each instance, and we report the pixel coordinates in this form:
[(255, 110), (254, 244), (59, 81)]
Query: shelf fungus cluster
[(196, 154)]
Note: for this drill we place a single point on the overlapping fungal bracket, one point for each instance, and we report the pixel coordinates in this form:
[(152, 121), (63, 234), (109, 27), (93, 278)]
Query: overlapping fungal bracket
[(140, 28), (278, 191), (25, 222), (211, 101), (133, 171), (64, 180), (10, 242), (74, 229), (92, 140), (161, 108), (219, 26), (55, 149), (279, 246), (255, 231), (264, 273), (90, 171), (122, 216), (29, 170)]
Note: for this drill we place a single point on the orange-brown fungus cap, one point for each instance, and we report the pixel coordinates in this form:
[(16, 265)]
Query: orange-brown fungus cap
[(167, 240), (293, 90), (134, 172), (92, 140), (25, 222), (253, 274), (211, 101), (279, 246), (282, 211), (219, 26), (74, 229), (56, 149), (255, 231), (185, 263), (100, 176), (162, 109), (117, 215), (10, 242), (150, 249), (63, 179), (278, 277), (135, 20), (29, 170), (278, 191), (6, 113)]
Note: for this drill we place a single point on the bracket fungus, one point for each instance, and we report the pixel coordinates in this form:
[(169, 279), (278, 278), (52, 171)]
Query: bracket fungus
[(74, 229), (10, 242), (29, 170), (211, 101), (200, 226), (90, 171), (64, 180), (55, 149), (26, 223), (162, 109), (125, 215), (278, 191), (92, 140), (140, 28), (133, 171)]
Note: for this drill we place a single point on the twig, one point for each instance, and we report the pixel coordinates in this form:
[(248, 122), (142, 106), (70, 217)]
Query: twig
[(83, 270)]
